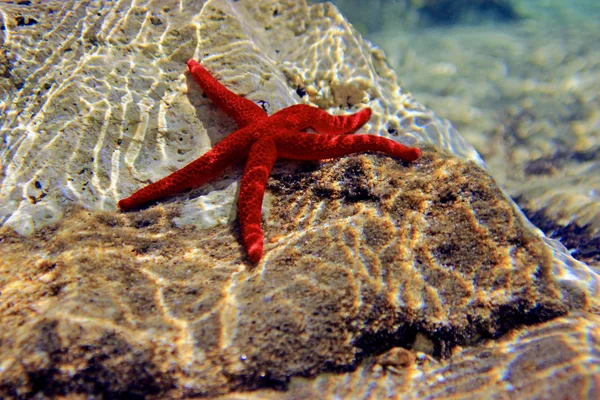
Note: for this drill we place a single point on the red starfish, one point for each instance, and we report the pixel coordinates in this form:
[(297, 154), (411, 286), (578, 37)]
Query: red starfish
[(261, 140)]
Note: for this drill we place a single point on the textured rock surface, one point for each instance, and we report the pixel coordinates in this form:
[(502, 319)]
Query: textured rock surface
[(362, 254), (428, 256), (111, 108), (555, 360)]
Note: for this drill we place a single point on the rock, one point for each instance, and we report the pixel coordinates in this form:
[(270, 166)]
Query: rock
[(516, 366), (362, 255), (432, 253)]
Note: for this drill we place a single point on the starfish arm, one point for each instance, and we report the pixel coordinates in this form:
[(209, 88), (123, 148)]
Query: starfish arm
[(244, 111), (261, 158), (302, 116), (228, 151), (307, 146)]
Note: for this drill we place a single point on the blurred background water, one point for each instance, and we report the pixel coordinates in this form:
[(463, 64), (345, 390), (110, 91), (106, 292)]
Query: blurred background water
[(520, 79)]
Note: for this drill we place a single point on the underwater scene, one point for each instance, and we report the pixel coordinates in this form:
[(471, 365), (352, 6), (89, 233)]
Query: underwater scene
[(292, 199)]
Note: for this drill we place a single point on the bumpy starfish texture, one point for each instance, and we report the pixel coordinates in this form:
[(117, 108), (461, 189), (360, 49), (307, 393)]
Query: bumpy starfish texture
[(260, 141)]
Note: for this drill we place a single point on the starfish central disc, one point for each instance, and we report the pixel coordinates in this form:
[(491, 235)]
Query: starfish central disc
[(261, 140)]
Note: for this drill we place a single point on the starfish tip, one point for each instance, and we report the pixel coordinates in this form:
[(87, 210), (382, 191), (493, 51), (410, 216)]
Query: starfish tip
[(191, 63), (255, 252), (416, 153), (123, 205)]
